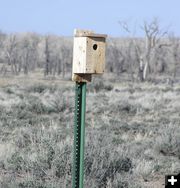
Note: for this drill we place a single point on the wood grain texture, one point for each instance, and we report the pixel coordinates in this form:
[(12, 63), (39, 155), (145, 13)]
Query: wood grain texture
[(95, 58), (88, 55), (79, 55)]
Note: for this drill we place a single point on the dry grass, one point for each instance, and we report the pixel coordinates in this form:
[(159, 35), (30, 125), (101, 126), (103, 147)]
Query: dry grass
[(132, 133)]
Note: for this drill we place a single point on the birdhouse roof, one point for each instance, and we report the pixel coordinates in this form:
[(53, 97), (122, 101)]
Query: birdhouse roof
[(87, 33)]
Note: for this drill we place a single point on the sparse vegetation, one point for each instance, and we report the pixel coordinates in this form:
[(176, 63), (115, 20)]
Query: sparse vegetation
[(132, 134)]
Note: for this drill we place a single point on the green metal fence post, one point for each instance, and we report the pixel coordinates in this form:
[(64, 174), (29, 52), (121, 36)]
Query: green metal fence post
[(83, 111), (79, 135)]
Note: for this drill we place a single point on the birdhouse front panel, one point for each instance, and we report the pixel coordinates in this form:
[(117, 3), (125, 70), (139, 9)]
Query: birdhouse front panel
[(88, 53), (95, 56)]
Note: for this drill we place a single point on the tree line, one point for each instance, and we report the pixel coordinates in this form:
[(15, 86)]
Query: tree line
[(157, 53), (27, 52)]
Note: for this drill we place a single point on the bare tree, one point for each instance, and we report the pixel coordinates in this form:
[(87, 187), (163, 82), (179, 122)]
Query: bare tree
[(3, 37), (29, 55), (175, 51), (11, 47), (116, 58), (47, 57), (152, 41)]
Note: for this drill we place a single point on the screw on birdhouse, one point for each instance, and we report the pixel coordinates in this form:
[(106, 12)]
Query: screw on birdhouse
[(88, 59)]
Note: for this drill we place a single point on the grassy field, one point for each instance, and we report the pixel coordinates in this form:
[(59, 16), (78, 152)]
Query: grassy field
[(132, 133)]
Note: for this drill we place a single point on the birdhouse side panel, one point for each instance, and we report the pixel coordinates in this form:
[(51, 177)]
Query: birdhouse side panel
[(95, 63), (79, 55)]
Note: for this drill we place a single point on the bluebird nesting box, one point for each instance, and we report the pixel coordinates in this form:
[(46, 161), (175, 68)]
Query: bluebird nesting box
[(88, 53)]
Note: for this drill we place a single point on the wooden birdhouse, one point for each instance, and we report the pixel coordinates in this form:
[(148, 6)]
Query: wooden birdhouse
[(88, 54)]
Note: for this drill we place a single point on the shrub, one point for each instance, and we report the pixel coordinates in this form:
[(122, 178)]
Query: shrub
[(99, 86), (123, 107), (16, 162), (168, 141), (101, 163), (9, 90), (62, 163), (60, 104), (40, 88), (37, 88)]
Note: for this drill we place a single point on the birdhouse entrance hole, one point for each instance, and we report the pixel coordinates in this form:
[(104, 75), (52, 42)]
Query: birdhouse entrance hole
[(95, 46)]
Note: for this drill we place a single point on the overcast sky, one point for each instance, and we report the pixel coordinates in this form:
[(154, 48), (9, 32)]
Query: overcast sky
[(62, 16)]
